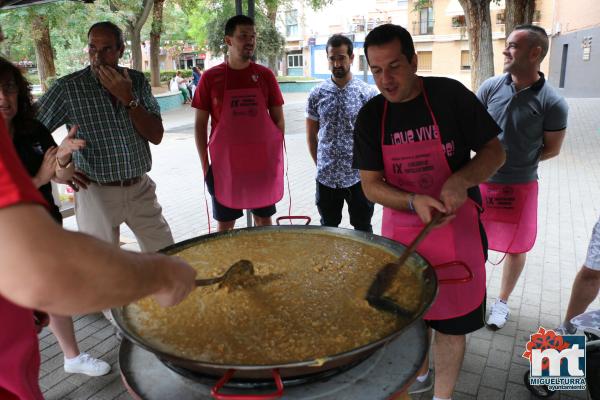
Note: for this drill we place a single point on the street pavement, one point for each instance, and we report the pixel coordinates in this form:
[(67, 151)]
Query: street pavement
[(493, 367)]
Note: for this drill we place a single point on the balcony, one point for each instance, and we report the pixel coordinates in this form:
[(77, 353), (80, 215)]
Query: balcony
[(422, 27)]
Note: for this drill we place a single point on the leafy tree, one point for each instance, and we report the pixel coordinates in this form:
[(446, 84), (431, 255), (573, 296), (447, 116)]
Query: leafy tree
[(481, 51), (207, 24), (174, 36), (48, 33), (518, 12), (133, 14), (40, 30), (157, 28)]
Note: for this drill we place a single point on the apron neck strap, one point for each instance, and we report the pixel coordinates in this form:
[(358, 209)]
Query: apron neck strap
[(425, 96)]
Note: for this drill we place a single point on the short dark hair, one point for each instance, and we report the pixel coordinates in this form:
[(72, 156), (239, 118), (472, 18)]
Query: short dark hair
[(114, 29), (537, 36), (233, 22), (338, 40), (387, 33), (25, 108)]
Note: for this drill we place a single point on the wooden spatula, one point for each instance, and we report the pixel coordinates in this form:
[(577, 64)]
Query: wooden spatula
[(385, 276)]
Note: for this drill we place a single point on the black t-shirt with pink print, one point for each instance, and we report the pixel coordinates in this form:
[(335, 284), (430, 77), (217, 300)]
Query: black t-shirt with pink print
[(464, 123)]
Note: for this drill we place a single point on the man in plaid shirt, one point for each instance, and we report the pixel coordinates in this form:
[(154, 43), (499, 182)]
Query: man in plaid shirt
[(117, 116)]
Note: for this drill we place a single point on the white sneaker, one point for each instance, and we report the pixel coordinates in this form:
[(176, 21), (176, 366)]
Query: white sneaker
[(498, 315), (86, 364), (420, 387)]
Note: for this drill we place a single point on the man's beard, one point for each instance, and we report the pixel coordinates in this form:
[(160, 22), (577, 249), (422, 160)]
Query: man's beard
[(339, 72), (247, 54)]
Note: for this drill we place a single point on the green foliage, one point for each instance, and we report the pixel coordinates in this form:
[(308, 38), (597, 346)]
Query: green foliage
[(69, 23), (166, 76), (319, 4), (174, 24), (207, 24)]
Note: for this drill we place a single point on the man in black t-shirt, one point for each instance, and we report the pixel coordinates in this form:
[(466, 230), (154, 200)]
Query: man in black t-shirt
[(413, 147)]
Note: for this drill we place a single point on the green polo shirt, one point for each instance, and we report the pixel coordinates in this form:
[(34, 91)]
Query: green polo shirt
[(114, 151), (524, 116)]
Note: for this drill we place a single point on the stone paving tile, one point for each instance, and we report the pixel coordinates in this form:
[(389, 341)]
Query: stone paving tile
[(499, 358), (568, 209), (486, 393), (517, 371), (479, 346), (458, 395), (60, 391), (517, 392), (494, 378), (474, 363), (468, 383)]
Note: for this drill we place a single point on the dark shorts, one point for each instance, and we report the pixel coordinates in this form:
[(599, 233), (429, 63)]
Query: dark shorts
[(461, 325), (223, 214)]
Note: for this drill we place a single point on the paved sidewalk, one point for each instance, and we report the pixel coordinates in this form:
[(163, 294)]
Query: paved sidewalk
[(493, 367)]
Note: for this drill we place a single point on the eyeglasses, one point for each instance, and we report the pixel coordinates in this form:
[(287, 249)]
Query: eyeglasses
[(9, 88)]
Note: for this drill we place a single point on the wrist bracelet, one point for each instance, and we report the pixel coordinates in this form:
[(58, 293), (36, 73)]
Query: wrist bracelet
[(411, 199)]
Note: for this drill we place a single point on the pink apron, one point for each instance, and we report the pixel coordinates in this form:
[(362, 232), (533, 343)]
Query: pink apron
[(455, 249), (246, 151), (510, 216)]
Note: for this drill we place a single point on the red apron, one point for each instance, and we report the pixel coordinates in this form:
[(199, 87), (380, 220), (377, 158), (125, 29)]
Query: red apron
[(246, 151), (510, 216), (421, 167)]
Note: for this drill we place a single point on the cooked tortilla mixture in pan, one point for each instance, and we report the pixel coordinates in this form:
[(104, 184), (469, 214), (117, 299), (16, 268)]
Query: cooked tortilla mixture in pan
[(305, 301)]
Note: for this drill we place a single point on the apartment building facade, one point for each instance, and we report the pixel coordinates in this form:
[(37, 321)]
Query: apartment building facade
[(574, 65), (442, 41), (441, 38), (307, 31)]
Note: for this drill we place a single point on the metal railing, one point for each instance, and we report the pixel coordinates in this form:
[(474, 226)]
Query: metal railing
[(422, 28)]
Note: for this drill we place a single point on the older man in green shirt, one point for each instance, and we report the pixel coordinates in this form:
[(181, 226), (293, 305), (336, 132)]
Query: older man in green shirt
[(117, 116)]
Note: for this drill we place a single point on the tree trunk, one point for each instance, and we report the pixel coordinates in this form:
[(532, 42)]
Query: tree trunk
[(517, 12), (134, 29), (479, 27), (272, 16), (155, 32), (40, 30)]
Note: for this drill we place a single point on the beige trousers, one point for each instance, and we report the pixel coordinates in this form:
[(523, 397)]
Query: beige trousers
[(100, 210)]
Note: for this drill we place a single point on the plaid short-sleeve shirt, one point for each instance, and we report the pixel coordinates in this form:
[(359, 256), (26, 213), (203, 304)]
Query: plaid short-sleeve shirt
[(114, 151)]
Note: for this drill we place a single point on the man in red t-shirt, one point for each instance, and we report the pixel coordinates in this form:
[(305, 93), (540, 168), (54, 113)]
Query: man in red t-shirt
[(237, 75), (47, 268)]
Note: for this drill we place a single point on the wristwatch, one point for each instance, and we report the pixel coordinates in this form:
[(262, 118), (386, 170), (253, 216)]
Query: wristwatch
[(132, 104)]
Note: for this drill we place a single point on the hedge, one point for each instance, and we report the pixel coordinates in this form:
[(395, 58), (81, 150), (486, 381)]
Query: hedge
[(166, 76)]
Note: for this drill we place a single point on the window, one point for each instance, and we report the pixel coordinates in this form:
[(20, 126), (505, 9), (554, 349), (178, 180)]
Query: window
[(500, 18), (465, 60), (426, 21), (459, 21), (424, 59), (295, 61), (291, 23), (363, 65), (402, 3)]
